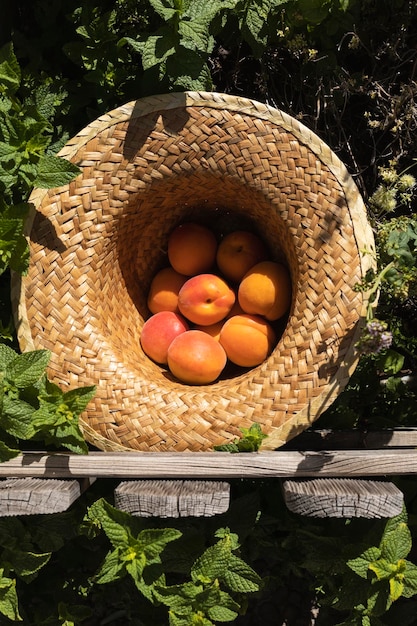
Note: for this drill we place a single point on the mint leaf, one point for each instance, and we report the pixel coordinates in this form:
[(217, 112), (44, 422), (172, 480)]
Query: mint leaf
[(8, 598), (157, 48), (396, 588), (10, 74), (7, 453), (116, 524), (111, 569), (164, 8), (240, 577), (27, 368), (360, 565), (226, 611), (410, 580), (17, 417), (213, 563), (7, 355), (26, 564), (54, 172), (397, 544), (153, 541), (383, 569), (255, 22)]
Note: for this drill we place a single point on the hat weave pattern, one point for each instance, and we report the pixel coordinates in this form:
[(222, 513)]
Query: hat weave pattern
[(96, 243)]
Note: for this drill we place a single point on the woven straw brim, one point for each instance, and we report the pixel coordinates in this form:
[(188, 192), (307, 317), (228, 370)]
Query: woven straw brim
[(96, 243)]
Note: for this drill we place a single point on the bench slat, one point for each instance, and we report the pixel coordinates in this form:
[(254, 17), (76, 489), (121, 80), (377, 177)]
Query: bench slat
[(343, 497), (172, 498), (214, 465)]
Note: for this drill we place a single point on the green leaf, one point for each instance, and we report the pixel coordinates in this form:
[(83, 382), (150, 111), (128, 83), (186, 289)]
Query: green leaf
[(240, 577), (78, 399), (195, 33), (213, 563), (10, 74), (116, 524), (165, 8), (383, 569), (250, 440), (255, 21), (112, 568), (54, 172), (27, 368), (360, 564), (157, 48), (26, 564), (8, 598), (179, 598), (7, 453), (222, 612), (17, 418), (396, 588), (7, 355), (391, 362), (14, 251), (188, 69), (396, 545), (410, 580), (153, 541)]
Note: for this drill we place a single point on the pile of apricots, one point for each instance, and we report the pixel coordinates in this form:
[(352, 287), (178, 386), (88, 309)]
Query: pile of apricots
[(215, 303)]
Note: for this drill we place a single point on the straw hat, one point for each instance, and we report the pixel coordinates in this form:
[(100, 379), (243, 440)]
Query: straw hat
[(96, 243)]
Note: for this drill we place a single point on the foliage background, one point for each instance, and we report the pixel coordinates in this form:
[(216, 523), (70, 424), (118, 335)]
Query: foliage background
[(346, 69)]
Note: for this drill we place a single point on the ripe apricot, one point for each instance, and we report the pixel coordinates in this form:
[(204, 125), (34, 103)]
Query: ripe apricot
[(247, 339), (192, 249), (164, 289), (196, 358), (158, 332), (238, 252), (205, 299), (266, 290)]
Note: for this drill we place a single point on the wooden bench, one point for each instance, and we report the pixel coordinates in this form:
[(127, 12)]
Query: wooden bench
[(322, 473)]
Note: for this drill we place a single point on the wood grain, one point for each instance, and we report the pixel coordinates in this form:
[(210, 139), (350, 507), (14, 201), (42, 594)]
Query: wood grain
[(34, 496), (191, 465), (343, 497), (172, 498)]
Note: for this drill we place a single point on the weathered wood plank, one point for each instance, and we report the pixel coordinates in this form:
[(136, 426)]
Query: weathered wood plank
[(34, 496), (206, 465), (352, 439), (343, 497), (173, 498)]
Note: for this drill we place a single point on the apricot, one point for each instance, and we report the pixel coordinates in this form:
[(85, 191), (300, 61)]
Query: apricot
[(164, 289), (196, 358), (192, 249), (205, 299), (266, 290), (238, 252), (247, 339), (158, 332)]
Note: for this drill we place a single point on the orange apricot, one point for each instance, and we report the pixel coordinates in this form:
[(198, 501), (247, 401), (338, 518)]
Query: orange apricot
[(247, 339), (192, 249), (205, 299), (196, 358), (164, 289), (238, 252), (266, 290)]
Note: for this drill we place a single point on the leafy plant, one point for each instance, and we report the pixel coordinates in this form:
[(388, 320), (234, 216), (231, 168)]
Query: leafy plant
[(25, 135), (137, 552), (31, 407), (250, 440)]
